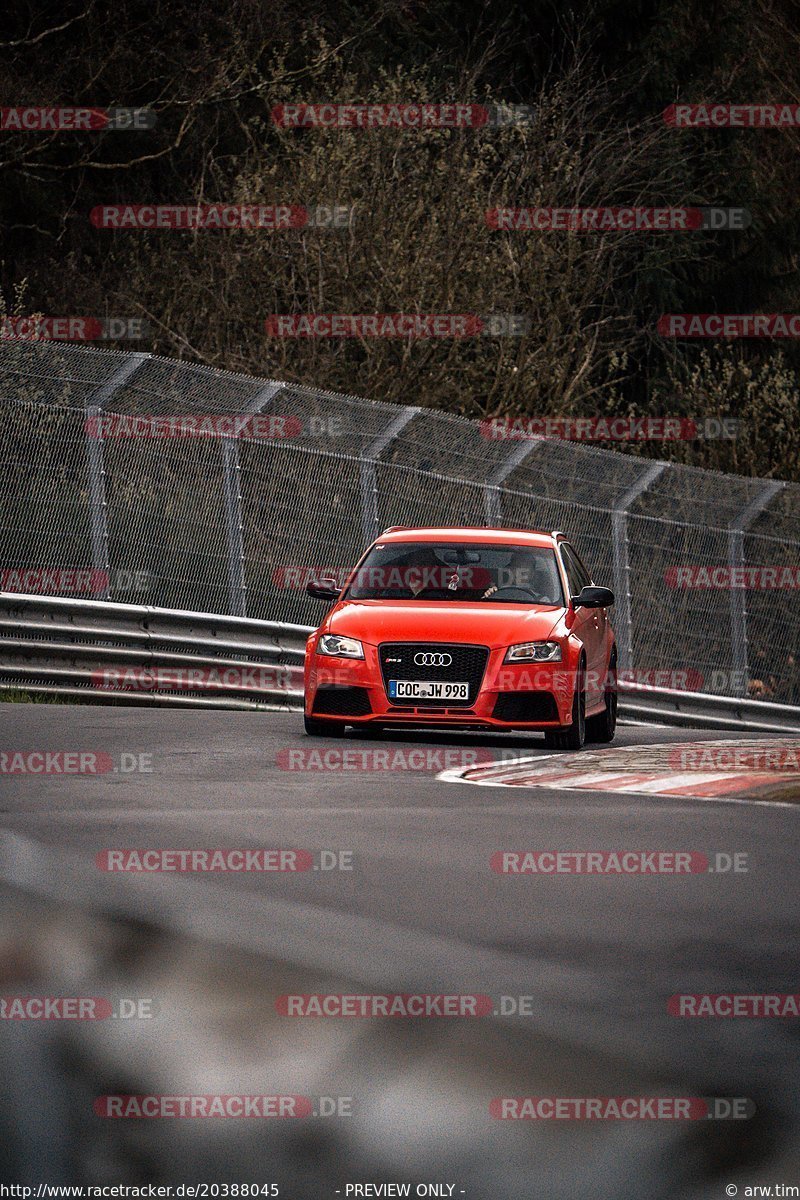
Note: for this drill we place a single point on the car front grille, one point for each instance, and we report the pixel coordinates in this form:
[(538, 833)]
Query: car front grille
[(468, 665)]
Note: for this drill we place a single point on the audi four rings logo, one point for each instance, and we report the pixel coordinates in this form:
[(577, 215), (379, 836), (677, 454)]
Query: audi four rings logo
[(433, 660)]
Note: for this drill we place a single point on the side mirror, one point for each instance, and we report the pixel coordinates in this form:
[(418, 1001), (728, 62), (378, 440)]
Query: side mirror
[(593, 597), (326, 589)]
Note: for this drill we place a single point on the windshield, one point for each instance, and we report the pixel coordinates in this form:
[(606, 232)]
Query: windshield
[(458, 571)]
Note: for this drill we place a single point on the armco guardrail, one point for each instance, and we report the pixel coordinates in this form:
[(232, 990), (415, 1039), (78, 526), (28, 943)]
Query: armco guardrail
[(666, 707), (143, 655)]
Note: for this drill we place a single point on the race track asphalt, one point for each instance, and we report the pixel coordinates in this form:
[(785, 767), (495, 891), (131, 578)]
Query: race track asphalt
[(596, 957)]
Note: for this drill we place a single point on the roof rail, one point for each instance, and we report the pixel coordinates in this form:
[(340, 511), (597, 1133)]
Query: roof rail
[(394, 529), (557, 533)]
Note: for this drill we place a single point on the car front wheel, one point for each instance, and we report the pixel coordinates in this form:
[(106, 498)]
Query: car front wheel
[(602, 727)]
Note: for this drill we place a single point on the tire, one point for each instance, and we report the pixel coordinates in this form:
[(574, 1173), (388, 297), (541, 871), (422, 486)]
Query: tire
[(573, 737), (603, 727), (316, 728)]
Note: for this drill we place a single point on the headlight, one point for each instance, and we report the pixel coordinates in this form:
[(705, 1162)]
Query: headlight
[(534, 652), (339, 647)]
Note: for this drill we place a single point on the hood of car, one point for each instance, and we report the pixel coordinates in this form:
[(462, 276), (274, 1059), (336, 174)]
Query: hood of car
[(484, 624)]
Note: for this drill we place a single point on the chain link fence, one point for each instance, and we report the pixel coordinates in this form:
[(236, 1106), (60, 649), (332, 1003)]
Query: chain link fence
[(95, 503)]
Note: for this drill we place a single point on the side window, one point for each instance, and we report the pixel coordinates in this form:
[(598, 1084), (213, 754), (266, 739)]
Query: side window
[(577, 575), (569, 567), (585, 577)]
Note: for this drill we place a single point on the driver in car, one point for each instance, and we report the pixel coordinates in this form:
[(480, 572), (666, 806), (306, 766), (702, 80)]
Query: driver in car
[(422, 572), (529, 573)]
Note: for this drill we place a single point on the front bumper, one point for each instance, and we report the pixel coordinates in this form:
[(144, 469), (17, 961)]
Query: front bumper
[(536, 696)]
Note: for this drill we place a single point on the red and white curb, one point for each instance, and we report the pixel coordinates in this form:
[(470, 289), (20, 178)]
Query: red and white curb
[(646, 771)]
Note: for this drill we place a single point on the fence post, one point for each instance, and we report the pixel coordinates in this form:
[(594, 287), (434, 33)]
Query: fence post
[(234, 527), (736, 532), (369, 475), (494, 511), (96, 474), (623, 620), (234, 517)]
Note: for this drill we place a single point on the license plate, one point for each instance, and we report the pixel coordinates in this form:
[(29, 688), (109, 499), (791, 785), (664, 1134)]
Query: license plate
[(427, 689)]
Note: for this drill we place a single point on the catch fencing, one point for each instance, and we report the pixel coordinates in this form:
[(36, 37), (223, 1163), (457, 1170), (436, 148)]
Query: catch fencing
[(105, 497)]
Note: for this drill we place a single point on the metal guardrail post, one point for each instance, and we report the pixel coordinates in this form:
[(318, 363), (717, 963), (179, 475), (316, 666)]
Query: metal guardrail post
[(494, 510), (96, 474), (369, 475), (234, 517), (738, 596), (623, 619)]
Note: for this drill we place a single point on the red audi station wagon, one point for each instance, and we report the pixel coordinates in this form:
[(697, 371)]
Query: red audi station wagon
[(465, 629)]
